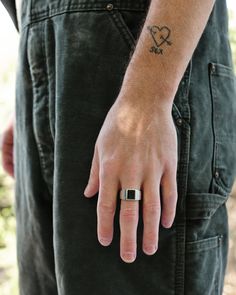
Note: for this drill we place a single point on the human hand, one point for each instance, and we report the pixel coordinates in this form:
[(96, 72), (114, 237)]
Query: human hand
[(136, 148), (7, 143)]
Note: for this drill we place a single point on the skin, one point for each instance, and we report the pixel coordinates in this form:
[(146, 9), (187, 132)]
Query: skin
[(7, 142), (135, 156), (137, 144)]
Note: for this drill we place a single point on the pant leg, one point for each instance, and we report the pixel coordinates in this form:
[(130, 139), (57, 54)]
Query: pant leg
[(89, 76), (75, 77), (33, 181), (212, 158)]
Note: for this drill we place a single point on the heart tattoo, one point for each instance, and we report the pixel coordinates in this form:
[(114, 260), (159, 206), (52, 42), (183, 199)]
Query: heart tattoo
[(160, 36)]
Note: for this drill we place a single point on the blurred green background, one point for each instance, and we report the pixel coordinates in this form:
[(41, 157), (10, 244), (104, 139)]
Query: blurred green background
[(8, 61)]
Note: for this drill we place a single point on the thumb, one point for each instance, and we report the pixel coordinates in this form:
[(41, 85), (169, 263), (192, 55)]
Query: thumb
[(93, 182)]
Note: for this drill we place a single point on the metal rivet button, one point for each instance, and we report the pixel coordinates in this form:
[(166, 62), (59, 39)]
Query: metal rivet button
[(179, 121), (109, 6), (220, 238), (213, 68), (217, 174)]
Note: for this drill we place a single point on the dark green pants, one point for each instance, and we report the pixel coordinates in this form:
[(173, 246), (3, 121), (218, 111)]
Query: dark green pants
[(72, 58)]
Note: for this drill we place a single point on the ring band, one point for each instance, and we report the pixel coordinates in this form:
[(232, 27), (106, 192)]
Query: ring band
[(130, 194)]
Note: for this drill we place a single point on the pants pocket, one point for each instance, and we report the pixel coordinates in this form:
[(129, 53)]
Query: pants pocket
[(203, 266), (223, 99), (129, 24)]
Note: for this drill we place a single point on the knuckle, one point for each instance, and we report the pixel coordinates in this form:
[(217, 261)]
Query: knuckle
[(171, 162), (152, 208), (103, 173), (130, 213), (170, 173), (92, 170), (106, 207), (92, 174), (171, 199), (168, 216), (108, 166), (171, 209), (129, 243), (151, 237)]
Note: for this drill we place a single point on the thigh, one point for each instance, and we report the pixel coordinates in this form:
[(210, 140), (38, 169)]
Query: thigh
[(33, 187), (85, 49), (212, 157)]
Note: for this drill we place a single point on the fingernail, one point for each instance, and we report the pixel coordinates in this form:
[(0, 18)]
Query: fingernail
[(150, 250), (128, 257), (105, 242), (167, 224)]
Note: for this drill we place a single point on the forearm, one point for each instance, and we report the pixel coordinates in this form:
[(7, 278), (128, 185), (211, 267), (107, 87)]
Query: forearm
[(160, 59)]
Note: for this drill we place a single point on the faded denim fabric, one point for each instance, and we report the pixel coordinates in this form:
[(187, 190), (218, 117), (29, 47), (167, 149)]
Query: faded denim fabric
[(72, 59)]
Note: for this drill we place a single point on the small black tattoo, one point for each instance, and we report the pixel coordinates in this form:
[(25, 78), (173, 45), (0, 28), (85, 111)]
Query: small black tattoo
[(160, 36)]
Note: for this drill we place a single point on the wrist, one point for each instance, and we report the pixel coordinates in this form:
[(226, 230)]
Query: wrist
[(143, 102), (142, 85)]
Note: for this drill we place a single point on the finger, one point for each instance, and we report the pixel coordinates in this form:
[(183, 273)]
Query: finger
[(7, 136), (151, 213), (129, 216), (93, 182), (7, 142), (7, 153), (8, 167), (169, 196), (106, 204), (7, 147), (7, 158)]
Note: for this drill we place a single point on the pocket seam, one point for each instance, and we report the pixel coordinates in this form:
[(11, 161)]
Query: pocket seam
[(122, 27), (198, 255), (217, 71), (203, 205), (222, 70), (203, 244), (119, 22)]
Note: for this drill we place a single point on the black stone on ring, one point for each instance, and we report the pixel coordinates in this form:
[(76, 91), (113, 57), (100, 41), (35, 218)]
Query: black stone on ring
[(130, 194)]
